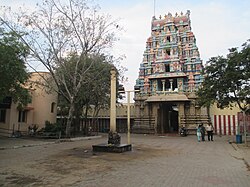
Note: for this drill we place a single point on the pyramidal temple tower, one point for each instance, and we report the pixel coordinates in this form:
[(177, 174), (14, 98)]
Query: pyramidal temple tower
[(169, 75)]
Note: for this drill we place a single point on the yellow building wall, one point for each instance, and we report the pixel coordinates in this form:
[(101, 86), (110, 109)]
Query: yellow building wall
[(42, 100), (38, 111), (121, 111), (224, 121), (226, 111)]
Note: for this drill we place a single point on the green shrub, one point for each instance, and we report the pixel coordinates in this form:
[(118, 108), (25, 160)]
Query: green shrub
[(52, 127)]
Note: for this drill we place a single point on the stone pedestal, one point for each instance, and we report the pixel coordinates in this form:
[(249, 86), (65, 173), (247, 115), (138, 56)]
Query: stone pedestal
[(114, 145), (112, 148)]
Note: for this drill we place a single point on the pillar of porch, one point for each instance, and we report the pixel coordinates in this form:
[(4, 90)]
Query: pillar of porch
[(163, 85)]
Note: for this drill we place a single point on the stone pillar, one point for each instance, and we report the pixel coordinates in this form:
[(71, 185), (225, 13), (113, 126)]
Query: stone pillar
[(181, 109), (128, 115), (171, 84), (192, 108), (156, 82), (113, 100), (156, 110), (154, 87), (181, 114), (163, 85)]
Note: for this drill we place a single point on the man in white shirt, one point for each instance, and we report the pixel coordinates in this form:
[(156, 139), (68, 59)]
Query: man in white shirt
[(210, 129)]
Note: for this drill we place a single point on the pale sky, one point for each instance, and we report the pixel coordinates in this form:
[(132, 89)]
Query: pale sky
[(217, 25)]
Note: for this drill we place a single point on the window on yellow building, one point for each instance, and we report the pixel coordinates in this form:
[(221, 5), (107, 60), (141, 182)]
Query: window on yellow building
[(22, 117), (2, 115), (52, 109)]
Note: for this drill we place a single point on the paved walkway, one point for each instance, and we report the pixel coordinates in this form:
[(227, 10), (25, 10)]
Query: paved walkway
[(154, 161)]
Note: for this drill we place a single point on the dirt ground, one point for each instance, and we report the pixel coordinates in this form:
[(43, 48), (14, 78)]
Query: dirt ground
[(67, 163)]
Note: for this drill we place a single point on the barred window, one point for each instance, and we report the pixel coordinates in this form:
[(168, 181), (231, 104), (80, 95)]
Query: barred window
[(22, 117), (2, 115)]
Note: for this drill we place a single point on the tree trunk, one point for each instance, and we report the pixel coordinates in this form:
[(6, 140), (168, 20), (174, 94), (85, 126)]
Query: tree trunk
[(77, 115), (86, 118), (69, 120)]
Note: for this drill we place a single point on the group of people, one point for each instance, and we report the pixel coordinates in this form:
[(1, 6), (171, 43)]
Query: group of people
[(201, 131)]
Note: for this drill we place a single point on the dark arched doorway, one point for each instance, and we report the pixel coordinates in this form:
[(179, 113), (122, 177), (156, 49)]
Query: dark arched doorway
[(167, 118)]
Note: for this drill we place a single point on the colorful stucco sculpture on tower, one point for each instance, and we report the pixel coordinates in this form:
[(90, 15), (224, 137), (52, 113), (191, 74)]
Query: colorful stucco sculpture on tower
[(169, 75)]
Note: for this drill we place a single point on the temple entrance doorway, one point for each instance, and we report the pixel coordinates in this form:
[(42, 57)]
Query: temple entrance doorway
[(167, 118)]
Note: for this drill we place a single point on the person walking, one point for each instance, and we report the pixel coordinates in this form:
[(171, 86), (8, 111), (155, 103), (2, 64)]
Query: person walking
[(210, 132), (203, 131), (199, 133)]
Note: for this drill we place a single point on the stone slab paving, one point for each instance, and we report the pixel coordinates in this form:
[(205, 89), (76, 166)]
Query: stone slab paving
[(154, 161), (181, 162)]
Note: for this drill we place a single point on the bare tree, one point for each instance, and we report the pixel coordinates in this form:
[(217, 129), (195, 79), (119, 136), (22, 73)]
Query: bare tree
[(56, 29)]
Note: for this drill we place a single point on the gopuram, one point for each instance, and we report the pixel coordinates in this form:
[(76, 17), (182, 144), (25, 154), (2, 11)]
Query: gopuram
[(169, 75)]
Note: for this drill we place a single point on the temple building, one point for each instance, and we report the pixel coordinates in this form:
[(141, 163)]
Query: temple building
[(169, 75)]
